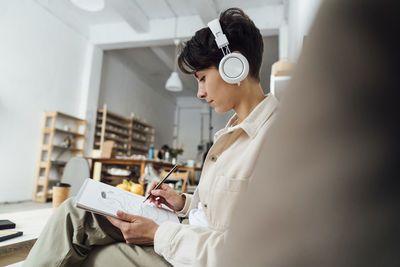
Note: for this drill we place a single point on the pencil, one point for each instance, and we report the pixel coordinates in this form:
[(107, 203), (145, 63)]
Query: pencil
[(162, 181)]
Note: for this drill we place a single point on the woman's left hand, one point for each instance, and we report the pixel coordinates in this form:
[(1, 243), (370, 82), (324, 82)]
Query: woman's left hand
[(135, 229)]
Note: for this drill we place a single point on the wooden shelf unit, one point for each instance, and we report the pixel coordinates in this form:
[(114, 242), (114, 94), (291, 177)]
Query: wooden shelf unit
[(131, 135), (50, 167)]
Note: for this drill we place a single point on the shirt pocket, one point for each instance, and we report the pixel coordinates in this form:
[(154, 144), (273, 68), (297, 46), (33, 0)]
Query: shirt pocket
[(227, 193), (237, 185)]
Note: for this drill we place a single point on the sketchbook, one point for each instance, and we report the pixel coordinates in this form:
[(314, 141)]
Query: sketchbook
[(105, 199)]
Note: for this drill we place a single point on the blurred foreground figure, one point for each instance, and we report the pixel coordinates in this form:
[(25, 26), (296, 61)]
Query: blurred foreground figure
[(326, 190)]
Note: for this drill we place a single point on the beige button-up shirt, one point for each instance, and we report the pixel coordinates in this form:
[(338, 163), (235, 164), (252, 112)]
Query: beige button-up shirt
[(227, 170)]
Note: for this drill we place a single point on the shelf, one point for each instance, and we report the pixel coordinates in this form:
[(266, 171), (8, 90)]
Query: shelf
[(58, 162), (49, 130), (127, 119), (61, 114), (69, 116), (50, 135), (139, 149), (116, 123), (140, 130), (114, 139), (42, 181), (70, 148), (130, 132), (44, 164), (39, 195), (108, 129), (47, 147), (141, 122), (112, 114), (139, 140), (119, 148), (69, 132)]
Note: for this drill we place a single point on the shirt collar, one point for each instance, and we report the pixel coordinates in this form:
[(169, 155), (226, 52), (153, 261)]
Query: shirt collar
[(253, 122)]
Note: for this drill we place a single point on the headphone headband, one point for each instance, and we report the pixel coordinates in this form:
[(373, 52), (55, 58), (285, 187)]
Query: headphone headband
[(233, 67), (220, 37)]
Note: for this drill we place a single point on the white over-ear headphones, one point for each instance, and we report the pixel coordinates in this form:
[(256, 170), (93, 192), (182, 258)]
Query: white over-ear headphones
[(233, 67)]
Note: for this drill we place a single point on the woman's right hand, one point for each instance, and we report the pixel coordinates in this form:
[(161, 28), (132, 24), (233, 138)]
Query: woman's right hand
[(166, 195)]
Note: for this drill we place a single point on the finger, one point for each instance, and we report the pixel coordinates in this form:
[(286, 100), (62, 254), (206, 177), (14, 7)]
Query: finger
[(157, 203), (153, 198), (161, 201), (161, 187), (125, 216), (165, 187), (151, 187), (159, 193)]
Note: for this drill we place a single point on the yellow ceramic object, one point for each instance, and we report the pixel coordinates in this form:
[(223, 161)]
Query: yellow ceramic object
[(137, 189), (123, 187)]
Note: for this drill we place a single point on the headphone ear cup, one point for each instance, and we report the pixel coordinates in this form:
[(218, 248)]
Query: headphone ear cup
[(233, 68)]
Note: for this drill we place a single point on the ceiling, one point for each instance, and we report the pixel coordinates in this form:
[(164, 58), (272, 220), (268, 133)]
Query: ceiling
[(142, 32)]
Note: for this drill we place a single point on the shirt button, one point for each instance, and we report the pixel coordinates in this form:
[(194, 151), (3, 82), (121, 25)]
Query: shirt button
[(213, 158)]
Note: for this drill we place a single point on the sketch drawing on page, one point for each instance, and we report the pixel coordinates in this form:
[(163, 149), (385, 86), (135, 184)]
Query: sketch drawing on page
[(104, 199), (129, 204)]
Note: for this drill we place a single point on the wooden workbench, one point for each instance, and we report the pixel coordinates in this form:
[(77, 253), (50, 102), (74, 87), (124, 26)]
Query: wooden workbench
[(142, 164)]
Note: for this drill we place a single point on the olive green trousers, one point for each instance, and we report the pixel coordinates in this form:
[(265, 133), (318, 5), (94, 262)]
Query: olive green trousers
[(74, 237)]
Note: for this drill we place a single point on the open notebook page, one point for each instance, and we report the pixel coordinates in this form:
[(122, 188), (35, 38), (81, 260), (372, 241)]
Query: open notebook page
[(104, 199)]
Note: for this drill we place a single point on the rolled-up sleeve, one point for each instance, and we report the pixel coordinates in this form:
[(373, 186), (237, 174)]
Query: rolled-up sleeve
[(184, 212), (188, 245)]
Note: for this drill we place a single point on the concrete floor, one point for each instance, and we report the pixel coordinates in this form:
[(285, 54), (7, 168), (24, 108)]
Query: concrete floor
[(22, 206)]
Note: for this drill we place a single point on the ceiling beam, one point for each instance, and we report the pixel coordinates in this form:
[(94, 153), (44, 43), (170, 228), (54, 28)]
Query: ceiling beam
[(67, 13), (206, 9), (120, 35), (163, 55), (131, 13), (161, 31), (267, 17)]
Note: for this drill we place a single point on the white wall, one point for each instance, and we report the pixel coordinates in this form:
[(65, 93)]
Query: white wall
[(90, 93), (124, 93), (40, 69), (270, 56), (301, 15)]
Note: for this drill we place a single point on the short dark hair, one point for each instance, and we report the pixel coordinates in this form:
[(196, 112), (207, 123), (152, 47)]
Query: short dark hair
[(202, 52)]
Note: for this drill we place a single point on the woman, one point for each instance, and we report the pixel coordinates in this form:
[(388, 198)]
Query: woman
[(74, 236)]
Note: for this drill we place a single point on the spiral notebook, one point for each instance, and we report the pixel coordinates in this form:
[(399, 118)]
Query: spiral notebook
[(105, 199)]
